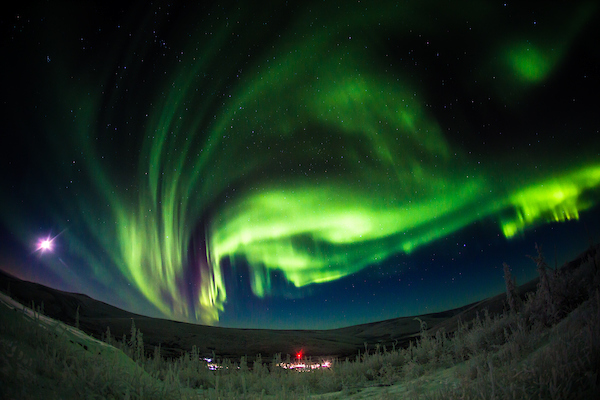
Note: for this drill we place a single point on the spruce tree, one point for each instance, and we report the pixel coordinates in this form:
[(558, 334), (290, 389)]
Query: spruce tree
[(133, 341), (511, 289)]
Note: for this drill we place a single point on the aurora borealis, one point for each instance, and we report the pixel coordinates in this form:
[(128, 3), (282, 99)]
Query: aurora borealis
[(236, 164)]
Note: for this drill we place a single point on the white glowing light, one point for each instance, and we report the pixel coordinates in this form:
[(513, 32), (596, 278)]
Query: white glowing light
[(45, 244)]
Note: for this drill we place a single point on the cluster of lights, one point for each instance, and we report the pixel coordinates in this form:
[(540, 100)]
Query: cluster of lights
[(305, 366), (302, 365), (213, 366), (298, 365)]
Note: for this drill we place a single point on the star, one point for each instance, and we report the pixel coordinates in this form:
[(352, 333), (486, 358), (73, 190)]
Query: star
[(45, 244)]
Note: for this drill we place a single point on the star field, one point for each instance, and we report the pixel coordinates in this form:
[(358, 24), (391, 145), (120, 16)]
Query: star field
[(297, 165)]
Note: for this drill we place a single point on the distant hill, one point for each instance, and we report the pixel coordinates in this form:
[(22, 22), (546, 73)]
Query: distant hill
[(178, 337)]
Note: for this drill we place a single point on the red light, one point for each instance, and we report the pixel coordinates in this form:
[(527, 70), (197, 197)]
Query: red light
[(299, 355)]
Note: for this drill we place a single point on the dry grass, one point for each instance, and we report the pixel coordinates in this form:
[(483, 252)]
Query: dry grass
[(549, 348)]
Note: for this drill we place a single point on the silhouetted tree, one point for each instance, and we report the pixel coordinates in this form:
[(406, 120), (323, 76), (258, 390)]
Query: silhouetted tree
[(511, 289)]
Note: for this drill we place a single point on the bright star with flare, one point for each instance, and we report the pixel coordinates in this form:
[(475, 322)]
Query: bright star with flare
[(45, 245)]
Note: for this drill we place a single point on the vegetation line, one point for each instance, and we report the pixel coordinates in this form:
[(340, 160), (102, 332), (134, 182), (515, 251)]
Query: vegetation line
[(545, 345)]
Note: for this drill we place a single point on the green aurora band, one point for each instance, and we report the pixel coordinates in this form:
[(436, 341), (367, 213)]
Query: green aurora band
[(317, 164)]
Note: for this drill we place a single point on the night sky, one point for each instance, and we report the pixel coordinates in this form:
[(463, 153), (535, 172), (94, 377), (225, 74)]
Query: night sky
[(296, 165)]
